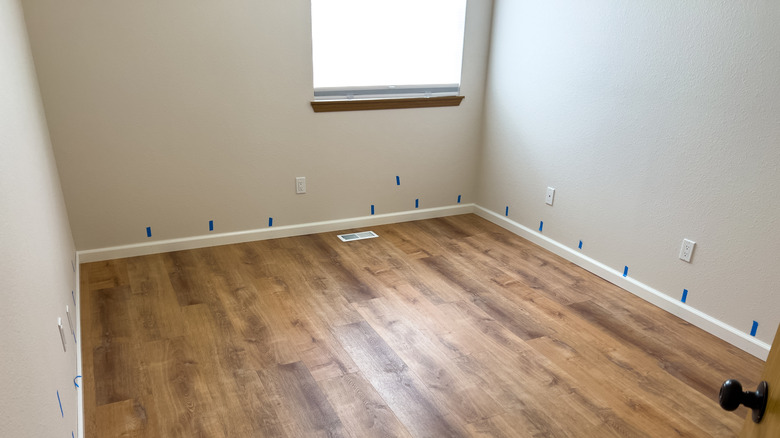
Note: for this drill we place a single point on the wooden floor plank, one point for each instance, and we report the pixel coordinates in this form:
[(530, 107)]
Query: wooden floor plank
[(391, 378), (361, 408), (454, 389), (303, 408), (122, 419), (443, 327)]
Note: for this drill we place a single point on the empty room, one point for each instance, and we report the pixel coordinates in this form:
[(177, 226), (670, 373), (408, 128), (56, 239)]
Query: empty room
[(371, 218)]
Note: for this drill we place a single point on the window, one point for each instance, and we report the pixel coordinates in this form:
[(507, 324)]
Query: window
[(387, 49)]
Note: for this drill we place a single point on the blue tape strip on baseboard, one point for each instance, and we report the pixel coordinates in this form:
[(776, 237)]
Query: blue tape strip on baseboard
[(270, 222), (506, 213), (580, 247), (459, 199), (148, 231), (754, 329), (417, 203), (625, 271), (685, 295), (372, 209), (398, 180), (541, 226), (59, 400), (211, 225)]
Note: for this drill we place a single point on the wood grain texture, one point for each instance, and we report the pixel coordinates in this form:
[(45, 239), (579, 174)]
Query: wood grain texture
[(323, 106), (441, 327)]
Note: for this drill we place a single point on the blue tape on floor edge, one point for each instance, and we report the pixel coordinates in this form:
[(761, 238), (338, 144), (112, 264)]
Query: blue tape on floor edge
[(625, 271), (754, 329), (60, 402), (685, 295), (211, 225), (372, 209), (398, 180), (270, 222), (541, 225), (458, 199), (148, 231), (580, 247)]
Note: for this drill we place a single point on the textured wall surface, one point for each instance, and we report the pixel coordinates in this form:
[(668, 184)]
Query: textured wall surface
[(655, 121), (36, 252), (171, 114)]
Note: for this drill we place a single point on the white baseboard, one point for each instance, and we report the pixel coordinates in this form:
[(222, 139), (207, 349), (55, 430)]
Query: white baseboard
[(203, 241), (700, 319), (79, 358)]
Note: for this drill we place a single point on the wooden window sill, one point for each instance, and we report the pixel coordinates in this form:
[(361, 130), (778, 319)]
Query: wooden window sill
[(380, 104)]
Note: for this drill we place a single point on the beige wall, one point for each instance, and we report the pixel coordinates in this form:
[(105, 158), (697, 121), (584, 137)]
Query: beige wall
[(655, 121), (36, 252), (171, 114)]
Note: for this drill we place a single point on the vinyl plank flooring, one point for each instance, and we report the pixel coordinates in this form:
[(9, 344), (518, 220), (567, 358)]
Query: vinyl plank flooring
[(443, 327), (303, 408), (391, 378), (361, 408), (452, 388)]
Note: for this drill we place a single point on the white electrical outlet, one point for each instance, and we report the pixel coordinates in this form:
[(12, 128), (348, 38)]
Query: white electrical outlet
[(300, 184), (550, 195), (687, 250)]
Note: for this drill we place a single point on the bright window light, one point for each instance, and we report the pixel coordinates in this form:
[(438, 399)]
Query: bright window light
[(387, 44)]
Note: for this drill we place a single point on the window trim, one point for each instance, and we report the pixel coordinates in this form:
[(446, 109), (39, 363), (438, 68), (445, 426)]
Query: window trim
[(322, 106)]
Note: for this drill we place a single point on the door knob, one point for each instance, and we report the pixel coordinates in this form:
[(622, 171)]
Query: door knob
[(731, 396)]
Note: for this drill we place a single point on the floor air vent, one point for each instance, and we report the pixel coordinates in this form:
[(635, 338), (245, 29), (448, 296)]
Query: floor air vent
[(357, 236)]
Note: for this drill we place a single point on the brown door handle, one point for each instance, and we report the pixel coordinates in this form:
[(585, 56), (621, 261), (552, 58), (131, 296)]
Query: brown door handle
[(731, 396)]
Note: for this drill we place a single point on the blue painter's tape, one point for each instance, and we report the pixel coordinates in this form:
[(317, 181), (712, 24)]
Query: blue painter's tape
[(625, 271), (148, 231), (60, 402), (74, 381), (211, 225), (685, 295), (541, 225), (398, 180), (270, 222), (416, 203), (754, 329), (580, 244), (458, 199), (506, 213), (372, 209)]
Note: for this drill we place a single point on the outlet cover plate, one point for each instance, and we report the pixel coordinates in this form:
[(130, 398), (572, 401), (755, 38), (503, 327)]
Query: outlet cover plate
[(550, 195), (686, 250)]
